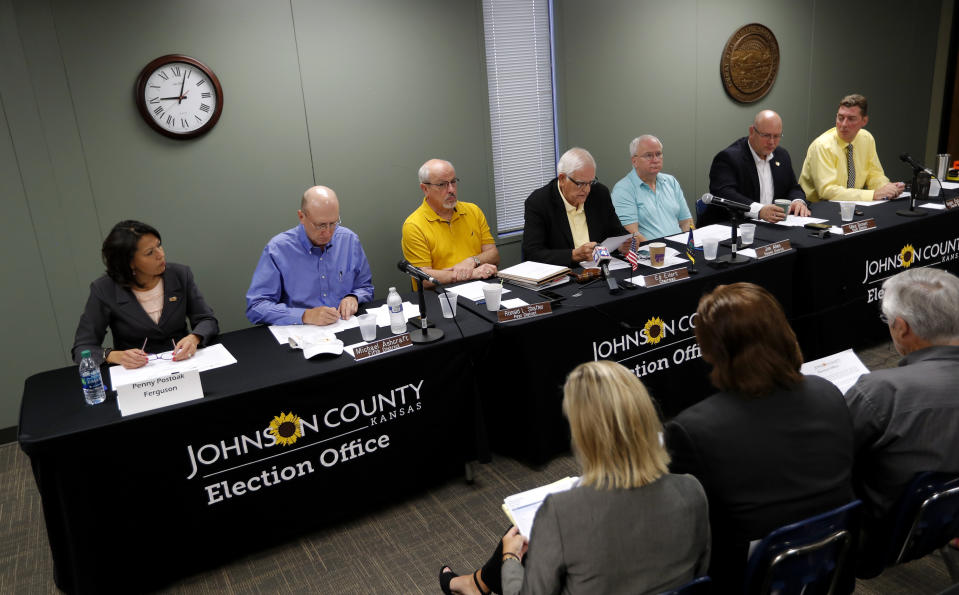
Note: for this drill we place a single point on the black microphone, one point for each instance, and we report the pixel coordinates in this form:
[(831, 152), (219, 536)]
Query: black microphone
[(907, 158), (405, 266), (732, 205)]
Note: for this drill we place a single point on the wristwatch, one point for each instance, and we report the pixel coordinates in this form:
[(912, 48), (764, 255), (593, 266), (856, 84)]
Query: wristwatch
[(476, 261)]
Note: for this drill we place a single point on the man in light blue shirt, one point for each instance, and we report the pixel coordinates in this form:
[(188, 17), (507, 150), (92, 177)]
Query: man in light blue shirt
[(649, 202), (315, 273)]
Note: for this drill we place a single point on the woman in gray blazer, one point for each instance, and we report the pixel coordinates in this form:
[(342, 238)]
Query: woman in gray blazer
[(144, 300), (628, 527)]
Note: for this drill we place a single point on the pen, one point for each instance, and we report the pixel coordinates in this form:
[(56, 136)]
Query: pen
[(144, 346), (174, 347)]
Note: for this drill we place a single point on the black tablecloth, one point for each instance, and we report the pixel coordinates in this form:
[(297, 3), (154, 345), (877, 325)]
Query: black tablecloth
[(136, 501)]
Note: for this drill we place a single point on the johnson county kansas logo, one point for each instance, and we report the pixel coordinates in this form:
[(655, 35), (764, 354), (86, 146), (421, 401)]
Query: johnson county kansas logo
[(655, 336), (880, 269)]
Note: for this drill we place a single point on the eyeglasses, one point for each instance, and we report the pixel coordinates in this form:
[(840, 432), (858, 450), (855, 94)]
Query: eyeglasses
[(650, 156), (444, 185), (325, 226), (582, 184), (769, 136), (160, 356)]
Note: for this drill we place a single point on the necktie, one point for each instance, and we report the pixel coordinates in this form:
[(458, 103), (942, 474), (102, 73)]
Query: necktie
[(850, 168)]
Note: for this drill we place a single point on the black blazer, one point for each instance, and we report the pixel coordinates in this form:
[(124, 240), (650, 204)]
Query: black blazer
[(764, 463), (111, 305), (733, 176), (548, 238)]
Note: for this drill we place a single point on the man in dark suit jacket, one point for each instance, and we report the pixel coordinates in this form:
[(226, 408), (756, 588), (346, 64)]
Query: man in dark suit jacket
[(562, 226), (754, 171)]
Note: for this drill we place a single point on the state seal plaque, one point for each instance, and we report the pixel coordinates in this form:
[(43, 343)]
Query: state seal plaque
[(750, 63)]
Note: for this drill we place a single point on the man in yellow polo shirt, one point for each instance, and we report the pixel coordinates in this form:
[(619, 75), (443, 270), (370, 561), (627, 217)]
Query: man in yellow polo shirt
[(447, 238)]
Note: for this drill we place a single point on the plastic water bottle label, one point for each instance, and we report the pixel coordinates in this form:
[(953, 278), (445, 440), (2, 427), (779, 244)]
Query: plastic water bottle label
[(91, 382)]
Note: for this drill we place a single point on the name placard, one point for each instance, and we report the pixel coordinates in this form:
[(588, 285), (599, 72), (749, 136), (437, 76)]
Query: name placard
[(382, 346), (951, 203), (666, 277), (153, 393), (773, 249), (527, 311), (857, 226)]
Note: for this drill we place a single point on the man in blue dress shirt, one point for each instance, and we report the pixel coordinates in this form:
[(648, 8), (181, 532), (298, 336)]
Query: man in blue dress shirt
[(648, 201), (315, 273)]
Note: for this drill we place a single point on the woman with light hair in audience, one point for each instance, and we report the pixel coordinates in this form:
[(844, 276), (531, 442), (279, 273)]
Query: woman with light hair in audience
[(628, 527), (773, 446)]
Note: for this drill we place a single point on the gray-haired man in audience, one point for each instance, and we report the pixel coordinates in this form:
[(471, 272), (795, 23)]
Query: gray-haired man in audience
[(906, 419)]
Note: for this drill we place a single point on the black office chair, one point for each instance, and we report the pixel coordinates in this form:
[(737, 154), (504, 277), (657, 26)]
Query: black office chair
[(700, 586), (811, 557), (927, 517)]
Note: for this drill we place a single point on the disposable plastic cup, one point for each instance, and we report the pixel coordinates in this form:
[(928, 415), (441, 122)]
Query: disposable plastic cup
[(492, 292), (448, 303), (847, 210), (747, 232), (710, 248), (368, 326)]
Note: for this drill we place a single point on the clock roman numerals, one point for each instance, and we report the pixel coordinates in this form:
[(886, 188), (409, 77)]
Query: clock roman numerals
[(176, 71), (169, 120), (158, 112), (163, 75), (206, 94), (198, 118), (184, 123), (204, 108), (166, 102), (200, 82), (154, 100)]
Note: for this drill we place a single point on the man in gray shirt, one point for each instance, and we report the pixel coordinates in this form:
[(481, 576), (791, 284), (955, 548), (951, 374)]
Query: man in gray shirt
[(906, 419)]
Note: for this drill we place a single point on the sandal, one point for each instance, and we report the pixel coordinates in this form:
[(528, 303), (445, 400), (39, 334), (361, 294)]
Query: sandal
[(477, 583), (446, 576)]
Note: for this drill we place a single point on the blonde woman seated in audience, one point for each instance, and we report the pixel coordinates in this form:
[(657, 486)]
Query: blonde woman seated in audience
[(628, 527)]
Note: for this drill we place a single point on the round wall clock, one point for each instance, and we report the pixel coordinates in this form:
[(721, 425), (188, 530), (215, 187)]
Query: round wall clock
[(179, 96)]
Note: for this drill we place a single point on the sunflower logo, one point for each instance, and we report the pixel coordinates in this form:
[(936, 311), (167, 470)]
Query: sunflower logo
[(285, 428), (907, 255), (654, 330)]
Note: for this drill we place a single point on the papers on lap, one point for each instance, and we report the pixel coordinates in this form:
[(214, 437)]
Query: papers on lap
[(842, 369), (521, 508)]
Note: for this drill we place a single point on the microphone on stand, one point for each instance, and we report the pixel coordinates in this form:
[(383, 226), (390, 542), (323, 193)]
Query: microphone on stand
[(907, 158), (405, 266), (601, 257), (732, 205)]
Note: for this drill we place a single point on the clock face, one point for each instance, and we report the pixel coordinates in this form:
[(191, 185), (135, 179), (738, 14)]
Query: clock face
[(179, 96)]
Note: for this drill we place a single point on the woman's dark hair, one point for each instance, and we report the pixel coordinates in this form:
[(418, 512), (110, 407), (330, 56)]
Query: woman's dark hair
[(119, 247), (743, 333)]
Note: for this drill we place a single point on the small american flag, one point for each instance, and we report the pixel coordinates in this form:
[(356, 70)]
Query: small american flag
[(691, 246), (631, 255)]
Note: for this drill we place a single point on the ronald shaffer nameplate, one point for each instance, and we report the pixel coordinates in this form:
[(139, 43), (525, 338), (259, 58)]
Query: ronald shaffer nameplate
[(382, 346), (524, 312)]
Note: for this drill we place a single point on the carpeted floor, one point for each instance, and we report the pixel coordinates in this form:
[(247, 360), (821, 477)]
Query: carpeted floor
[(399, 549)]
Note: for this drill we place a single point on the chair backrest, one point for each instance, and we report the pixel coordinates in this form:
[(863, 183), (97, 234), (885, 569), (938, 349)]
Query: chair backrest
[(809, 557), (700, 586), (927, 517), (700, 207)]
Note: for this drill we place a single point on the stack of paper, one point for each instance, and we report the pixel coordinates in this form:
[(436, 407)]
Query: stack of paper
[(534, 275)]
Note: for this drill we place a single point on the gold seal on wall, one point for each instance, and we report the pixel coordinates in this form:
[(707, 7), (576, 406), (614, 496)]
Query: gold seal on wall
[(750, 63)]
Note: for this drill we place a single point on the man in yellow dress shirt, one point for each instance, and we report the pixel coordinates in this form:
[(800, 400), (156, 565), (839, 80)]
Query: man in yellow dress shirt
[(829, 174), (447, 238)]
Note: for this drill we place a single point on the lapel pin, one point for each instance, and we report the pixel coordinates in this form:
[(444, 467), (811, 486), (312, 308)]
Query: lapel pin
[(172, 298), (777, 164)]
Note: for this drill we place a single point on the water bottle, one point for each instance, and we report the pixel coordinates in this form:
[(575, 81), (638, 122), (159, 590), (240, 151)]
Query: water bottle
[(93, 392), (395, 303)]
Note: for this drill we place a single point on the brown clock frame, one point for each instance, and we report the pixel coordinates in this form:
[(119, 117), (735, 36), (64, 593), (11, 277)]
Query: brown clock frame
[(141, 87)]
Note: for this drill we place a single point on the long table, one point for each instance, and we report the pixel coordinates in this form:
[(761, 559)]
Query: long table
[(136, 501), (133, 502)]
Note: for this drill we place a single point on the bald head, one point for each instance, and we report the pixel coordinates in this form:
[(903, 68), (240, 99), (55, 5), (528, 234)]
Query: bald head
[(318, 197), (765, 132), (319, 214)]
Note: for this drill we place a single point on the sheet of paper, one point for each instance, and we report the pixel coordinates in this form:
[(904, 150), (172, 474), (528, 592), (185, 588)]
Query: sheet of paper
[(797, 221), (513, 303), (472, 291), (615, 242), (308, 333), (522, 507), (718, 231), (932, 205), (615, 264), (950, 185), (842, 369), (410, 310), (206, 358)]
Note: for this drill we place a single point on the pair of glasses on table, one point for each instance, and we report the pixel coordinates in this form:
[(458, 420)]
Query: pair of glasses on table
[(159, 356)]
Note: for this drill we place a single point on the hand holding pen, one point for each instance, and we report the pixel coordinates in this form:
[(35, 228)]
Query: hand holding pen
[(186, 348)]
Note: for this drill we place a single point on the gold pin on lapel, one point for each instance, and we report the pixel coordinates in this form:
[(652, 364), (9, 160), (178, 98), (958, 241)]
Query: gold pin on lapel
[(777, 164), (172, 298)]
